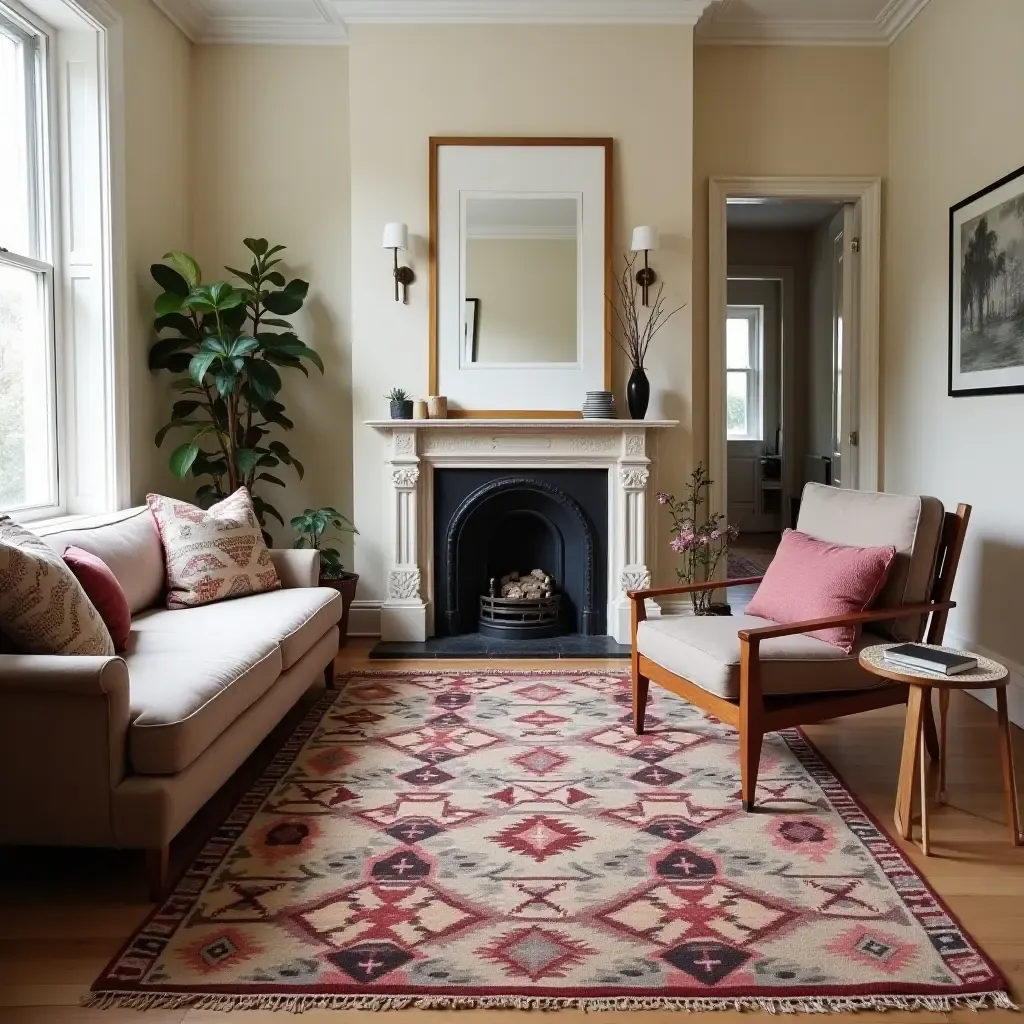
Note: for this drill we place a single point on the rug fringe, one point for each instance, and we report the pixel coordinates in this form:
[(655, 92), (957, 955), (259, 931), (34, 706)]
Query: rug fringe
[(302, 1003)]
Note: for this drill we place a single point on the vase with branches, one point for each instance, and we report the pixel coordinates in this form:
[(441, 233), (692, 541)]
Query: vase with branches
[(633, 332), (702, 538), (229, 340)]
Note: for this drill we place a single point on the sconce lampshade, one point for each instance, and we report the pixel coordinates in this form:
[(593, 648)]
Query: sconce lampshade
[(645, 237), (396, 236)]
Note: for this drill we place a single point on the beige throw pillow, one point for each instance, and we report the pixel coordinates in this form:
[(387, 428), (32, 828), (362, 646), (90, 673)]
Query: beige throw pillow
[(43, 608), (212, 554)]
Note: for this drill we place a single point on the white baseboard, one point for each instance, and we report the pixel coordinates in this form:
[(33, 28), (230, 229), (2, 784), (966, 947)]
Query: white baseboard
[(364, 618), (1015, 688)]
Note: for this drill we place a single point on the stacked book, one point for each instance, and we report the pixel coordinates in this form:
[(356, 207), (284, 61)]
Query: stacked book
[(600, 405), (929, 659)]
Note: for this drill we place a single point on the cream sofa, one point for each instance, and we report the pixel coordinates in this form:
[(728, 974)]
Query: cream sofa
[(123, 751)]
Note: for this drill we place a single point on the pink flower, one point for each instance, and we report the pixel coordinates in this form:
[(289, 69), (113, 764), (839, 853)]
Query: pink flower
[(716, 534), (684, 541), (661, 498)]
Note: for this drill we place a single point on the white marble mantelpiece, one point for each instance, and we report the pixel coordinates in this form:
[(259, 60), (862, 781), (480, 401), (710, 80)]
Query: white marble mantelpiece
[(623, 447)]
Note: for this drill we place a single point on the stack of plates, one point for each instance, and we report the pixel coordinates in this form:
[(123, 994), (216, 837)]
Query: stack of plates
[(600, 405)]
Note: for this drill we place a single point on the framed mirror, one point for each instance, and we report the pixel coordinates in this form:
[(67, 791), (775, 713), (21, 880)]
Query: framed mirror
[(519, 259)]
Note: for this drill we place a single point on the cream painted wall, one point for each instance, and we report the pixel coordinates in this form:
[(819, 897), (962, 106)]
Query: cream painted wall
[(157, 100), (271, 159), (957, 125), (411, 82), (528, 298), (778, 110)]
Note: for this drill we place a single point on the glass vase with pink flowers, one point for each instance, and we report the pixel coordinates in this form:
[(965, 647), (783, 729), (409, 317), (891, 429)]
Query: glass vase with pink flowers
[(699, 536)]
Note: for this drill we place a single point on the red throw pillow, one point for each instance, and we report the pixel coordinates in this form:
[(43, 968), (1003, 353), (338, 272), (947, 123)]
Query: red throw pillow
[(812, 579), (102, 588)]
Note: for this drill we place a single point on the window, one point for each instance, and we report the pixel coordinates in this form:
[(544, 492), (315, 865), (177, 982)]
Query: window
[(743, 361), (28, 392)]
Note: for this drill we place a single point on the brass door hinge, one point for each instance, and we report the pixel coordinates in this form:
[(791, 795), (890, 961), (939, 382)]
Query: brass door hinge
[(855, 245), (854, 438)]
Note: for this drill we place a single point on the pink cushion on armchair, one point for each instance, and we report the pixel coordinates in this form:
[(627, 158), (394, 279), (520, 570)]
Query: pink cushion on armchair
[(812, 579)]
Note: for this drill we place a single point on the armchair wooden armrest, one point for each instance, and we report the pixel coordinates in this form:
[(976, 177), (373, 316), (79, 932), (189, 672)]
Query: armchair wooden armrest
[(691, 588), (908, 611)]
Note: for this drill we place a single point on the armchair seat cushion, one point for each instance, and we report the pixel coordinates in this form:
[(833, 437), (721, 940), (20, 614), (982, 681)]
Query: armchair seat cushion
[(295, 619), (706, 651)]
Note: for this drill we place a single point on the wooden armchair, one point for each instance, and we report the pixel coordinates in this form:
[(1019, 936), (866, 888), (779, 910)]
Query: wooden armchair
[(760, 676)]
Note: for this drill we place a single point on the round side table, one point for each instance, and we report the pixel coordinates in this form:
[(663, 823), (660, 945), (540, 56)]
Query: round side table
[(988, 675)]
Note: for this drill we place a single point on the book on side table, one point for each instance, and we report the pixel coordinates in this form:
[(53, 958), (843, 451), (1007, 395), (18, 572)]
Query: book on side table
[(917, 656)]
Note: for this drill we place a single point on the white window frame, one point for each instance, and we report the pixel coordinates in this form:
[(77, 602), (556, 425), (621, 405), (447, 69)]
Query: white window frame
[(89, 283), (754, 371), (43, 243)]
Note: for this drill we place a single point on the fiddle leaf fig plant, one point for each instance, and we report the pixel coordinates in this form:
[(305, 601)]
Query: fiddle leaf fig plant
[(311, 527), (226, 343)]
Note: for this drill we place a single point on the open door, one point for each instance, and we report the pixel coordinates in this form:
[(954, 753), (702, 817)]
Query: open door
[(845, 347)]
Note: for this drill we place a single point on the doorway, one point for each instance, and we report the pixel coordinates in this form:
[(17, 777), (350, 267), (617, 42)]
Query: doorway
[(793, 349)]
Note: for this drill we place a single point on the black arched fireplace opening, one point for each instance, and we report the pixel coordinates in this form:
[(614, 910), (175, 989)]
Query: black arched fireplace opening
[(492, 524)]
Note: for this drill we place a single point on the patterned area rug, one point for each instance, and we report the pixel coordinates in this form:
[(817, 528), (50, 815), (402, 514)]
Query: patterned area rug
[(452, 840), (741, 567)]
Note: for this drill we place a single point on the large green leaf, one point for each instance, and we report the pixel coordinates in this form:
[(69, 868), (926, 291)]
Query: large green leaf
[(186, 266), (273, 322), (179, 322), (182, 409), (257, 246), (167, 302), (275, 279), (160, 351), (245, 459), (162, 432), (247, 278), (182, 458), (242, 346), (200, 364), (263, 378), (275, 249), (270, 478), (169, 279), (208, 495)]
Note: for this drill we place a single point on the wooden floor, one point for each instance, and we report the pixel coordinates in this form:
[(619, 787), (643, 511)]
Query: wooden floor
[(64, 913)]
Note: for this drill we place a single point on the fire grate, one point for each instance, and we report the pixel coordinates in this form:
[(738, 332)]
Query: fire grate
[(528, 608)]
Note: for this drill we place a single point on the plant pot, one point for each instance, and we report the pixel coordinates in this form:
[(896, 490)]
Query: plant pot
[(345, 584), (638, 393), (401, 410)]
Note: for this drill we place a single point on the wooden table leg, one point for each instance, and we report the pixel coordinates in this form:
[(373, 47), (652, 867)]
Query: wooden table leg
[(908, 761), (924, 789), (1009, 778), (943, 715)]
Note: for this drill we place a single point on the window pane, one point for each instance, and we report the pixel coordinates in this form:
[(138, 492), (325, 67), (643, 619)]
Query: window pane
[(15, 170), (736, 403), (26, 446), (737, 343)]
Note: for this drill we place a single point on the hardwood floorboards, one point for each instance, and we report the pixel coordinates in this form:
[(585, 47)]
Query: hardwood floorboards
[(65, 913)]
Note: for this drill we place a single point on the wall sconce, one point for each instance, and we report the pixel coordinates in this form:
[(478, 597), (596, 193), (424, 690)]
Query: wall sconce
[(396, 236), (644, 239)]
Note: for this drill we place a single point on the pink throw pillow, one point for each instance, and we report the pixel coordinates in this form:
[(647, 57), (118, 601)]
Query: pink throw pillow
[(812, 579), (102, 588)]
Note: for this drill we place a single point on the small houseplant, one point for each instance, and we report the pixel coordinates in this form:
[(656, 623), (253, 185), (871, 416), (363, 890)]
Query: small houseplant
[(312, 527), (401, 404), (633, 333), (701, 538), (225, 343)]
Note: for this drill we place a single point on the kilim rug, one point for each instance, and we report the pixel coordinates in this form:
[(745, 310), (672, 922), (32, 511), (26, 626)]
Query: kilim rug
[(452, 840)]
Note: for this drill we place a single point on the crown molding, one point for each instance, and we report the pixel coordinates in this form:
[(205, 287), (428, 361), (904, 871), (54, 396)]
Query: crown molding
[(714, 28), (538, 12), (200, 22)]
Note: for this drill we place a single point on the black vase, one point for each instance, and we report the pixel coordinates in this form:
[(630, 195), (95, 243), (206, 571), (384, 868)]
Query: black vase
[(638, 393)]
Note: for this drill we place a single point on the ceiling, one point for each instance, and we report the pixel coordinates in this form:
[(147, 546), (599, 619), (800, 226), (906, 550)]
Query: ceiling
[(860, 22), (775, 214)]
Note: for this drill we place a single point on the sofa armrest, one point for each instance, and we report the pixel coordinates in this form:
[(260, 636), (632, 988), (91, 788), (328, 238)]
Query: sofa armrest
[(64, 726), (296, 567)]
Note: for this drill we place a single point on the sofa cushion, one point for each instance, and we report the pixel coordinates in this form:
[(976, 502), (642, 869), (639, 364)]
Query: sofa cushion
[(911, 524), (295, 619), (43, 608), (705, 650), (213, 553), (183, 695), (129, 544), (102, 588)]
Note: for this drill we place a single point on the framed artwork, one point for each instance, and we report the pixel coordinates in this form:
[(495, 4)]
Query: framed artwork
[(986, 290), (470, 331)]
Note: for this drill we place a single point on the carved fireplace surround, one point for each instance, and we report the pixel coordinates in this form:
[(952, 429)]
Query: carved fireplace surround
[(624, 448)]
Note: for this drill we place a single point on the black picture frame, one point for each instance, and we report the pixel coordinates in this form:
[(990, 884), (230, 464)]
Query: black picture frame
[(1004, 199)]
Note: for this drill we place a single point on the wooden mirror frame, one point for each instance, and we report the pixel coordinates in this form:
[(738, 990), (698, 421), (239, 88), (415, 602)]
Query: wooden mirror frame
[(487, 140)]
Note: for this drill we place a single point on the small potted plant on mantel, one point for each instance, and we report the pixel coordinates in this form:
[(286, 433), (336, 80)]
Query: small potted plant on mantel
[(311, 527), (401, 404)]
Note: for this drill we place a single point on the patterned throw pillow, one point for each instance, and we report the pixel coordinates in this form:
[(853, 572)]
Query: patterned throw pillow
[(43, 608), (212, 554)]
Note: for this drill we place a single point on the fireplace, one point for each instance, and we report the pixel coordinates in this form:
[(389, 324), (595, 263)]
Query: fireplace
[(490, 524)]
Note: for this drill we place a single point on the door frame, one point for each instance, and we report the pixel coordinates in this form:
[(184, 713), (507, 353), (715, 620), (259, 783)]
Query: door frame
[(866, 193)]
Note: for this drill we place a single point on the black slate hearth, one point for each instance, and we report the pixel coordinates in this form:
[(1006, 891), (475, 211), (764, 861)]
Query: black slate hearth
[(475, 645)]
